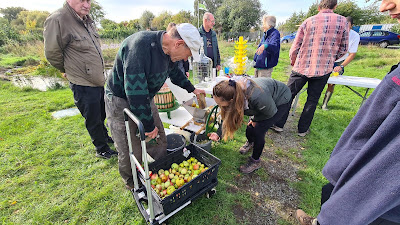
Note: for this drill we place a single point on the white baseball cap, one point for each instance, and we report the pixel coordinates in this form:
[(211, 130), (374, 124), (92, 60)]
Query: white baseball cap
[(192, 39)]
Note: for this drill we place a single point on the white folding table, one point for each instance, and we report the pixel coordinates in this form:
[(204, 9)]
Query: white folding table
[(347, 81)]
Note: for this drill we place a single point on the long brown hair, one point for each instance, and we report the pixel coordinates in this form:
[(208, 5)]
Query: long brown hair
[(232, 115)]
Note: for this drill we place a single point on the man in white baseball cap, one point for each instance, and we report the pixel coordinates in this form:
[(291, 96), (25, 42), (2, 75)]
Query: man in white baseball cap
[(143, 63), (192, 39)]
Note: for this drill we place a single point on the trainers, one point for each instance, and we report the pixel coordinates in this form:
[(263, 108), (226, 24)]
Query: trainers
[(304, 133), (109, 140), (107, 154), (305, 219), (246, 147), (276, 129), (251, 166)]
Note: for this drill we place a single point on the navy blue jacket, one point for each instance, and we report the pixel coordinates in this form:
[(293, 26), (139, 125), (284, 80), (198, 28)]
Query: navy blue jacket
[(364, 166), (216, 59), (270, 55)]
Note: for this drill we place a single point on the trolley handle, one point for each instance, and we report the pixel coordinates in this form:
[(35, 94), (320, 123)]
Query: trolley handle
[(128, 114), (145, 172)]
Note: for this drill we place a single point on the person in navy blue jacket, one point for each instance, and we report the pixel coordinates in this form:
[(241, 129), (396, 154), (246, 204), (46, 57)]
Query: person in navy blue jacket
[(267, 54), (364, 168)]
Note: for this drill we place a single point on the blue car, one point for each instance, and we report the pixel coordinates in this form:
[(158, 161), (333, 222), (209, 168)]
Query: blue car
[(288, 38), (382, 38)]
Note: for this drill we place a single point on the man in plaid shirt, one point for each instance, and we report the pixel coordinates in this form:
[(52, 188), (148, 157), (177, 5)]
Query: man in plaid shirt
[(320, 41)]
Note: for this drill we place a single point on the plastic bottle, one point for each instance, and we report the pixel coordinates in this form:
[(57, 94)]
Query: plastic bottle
[(221, 73)]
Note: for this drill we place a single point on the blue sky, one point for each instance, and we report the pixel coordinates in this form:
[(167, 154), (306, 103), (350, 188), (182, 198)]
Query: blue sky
[(122, 10)]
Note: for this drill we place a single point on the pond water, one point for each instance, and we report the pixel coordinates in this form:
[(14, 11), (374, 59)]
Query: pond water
[(37, 82)]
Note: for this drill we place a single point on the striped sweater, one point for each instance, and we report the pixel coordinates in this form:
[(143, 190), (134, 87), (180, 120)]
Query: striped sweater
[(140, 69)]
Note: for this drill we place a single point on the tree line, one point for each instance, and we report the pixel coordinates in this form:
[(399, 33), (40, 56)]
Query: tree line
[(360, 15), (232, 16)]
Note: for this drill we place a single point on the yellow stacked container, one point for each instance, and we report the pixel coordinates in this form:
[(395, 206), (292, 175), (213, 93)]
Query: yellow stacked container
[(240, 56)]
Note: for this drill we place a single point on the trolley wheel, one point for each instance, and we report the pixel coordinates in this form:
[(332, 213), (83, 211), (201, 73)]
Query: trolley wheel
[(211, 192)]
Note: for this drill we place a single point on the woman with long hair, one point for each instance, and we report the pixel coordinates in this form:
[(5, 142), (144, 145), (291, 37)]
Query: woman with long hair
[(263, 99)]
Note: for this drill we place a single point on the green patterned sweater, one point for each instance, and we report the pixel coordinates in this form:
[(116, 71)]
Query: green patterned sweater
[(140, 69)]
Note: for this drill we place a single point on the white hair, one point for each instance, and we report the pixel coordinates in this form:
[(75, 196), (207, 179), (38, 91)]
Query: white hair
[(206, 15), (269, 21)]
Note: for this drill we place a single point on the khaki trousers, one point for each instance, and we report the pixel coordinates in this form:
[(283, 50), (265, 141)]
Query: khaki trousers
[(116, 123), (263, 72)]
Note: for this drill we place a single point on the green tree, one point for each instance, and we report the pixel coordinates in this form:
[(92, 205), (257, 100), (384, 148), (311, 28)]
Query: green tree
[(25, 17), (211, 5), (239, 15), (291, 24), (96, 12), (7, 32), (11, 13), (161, 22), (145, 20), (182, 17), (108, 24)]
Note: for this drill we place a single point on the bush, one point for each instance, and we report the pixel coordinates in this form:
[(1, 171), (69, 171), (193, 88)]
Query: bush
[(395, 29), (45, 69)]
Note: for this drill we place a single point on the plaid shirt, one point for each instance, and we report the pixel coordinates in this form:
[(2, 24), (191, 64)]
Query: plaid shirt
[(320, 41)]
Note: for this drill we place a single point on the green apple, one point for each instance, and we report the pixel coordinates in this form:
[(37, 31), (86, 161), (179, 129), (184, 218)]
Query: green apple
[(174, 166)]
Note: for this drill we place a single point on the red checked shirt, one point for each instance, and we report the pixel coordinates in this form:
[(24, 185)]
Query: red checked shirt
[(320, 41)]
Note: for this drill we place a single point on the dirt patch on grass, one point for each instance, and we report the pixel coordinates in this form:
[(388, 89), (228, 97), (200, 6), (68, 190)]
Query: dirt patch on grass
[(275, 200)]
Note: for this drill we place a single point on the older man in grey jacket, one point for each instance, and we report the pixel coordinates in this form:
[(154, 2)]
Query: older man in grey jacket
[(72, 45)]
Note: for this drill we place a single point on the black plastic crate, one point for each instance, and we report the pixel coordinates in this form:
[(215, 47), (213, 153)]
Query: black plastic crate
[(188, 191)]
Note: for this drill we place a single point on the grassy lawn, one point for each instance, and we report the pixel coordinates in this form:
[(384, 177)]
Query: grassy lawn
[(49, 174)]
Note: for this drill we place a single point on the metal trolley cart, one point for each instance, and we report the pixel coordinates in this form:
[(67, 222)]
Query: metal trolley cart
[(154, 209)]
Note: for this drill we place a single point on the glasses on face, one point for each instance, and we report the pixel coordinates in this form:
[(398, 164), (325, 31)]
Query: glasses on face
[(212, 21)]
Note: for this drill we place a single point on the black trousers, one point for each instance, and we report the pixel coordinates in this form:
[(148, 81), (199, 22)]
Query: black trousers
[(315, 87), (90, 102), (326, 193), (256, 134)]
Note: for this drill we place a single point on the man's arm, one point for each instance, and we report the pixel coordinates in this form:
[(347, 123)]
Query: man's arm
[(218, 64), (180, 79), (53, 47), (294, 50)]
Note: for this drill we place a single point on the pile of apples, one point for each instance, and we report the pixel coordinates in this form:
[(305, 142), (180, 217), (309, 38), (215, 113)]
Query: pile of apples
[(165, 182)]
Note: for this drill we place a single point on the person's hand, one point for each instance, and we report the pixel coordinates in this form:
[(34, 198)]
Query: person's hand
[(187, 74), (214, 137), (152, 134), (337, 69), (260, 50), (218, 68), (198, 91), (252, 123)]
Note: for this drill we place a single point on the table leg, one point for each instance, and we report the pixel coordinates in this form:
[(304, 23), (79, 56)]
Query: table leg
[(364, 97), (169, 115)]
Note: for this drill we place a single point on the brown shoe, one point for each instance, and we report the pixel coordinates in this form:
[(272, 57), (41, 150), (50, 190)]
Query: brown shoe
[(251, 166), (305, 219), (304, 133), (246, 147)]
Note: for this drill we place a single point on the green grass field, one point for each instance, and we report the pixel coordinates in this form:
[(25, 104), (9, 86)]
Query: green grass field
[(49, 174)]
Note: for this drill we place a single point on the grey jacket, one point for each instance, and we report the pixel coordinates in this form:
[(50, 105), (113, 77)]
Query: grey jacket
[(265, 99), (72, 45)]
